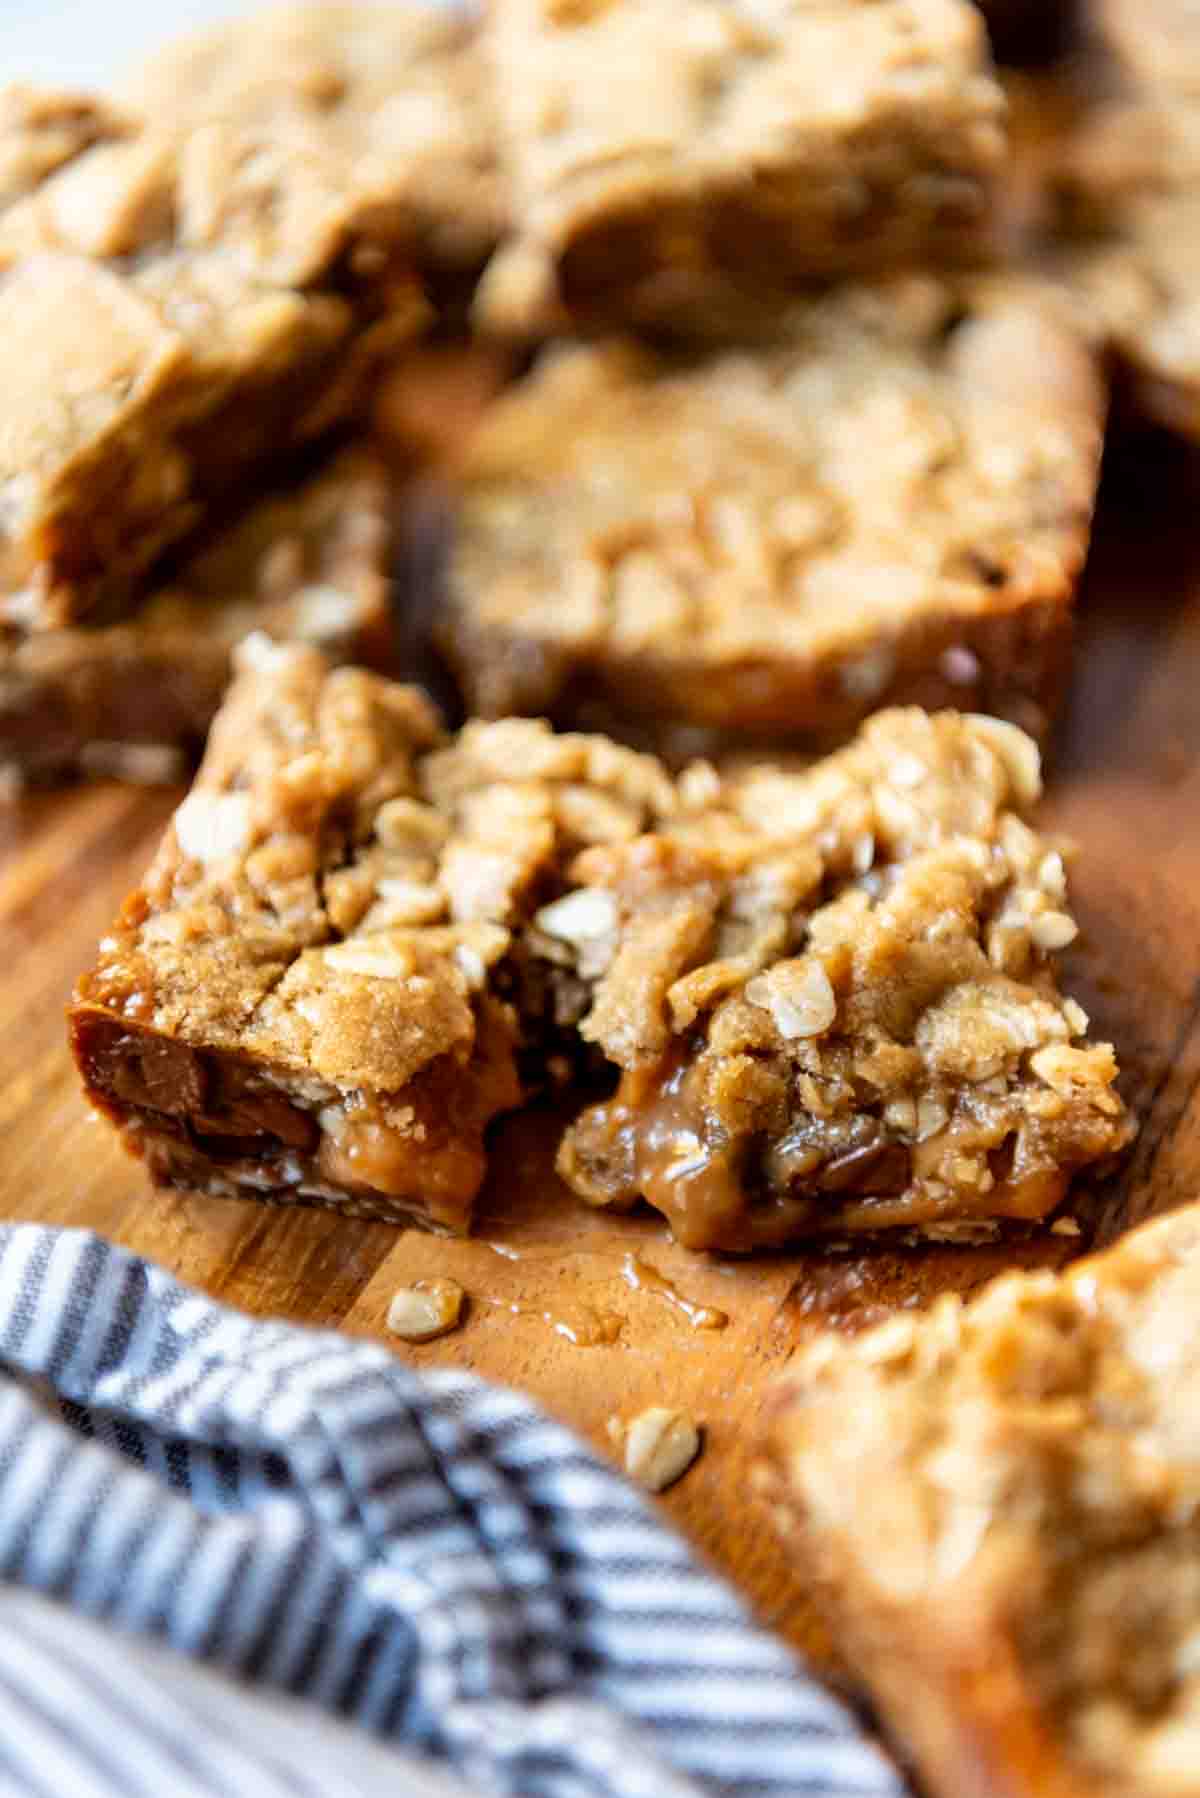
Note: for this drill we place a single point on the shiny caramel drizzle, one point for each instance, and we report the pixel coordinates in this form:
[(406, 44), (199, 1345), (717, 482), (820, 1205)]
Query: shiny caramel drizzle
[(584, 1325), (643, 1278)]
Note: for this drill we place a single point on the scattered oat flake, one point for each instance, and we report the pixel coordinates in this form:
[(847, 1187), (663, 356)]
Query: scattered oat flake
[(660, 1446), (426, 1309)]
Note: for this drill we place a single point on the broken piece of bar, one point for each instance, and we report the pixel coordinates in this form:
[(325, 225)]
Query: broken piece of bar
[(119, 439), (662, 153), (135, 698), (322, 991), (890, 504), (832, 996), (300, 184), (999, 1503)]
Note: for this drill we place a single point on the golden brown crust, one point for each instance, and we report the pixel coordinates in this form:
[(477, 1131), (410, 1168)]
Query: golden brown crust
[(711, 543), (230, 1024), (118, 442), (1011, 1559), (831, 994), (313, 134)]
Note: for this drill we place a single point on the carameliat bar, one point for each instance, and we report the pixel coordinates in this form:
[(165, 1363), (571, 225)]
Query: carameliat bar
[(999, 1503), (830, 995), (889, 502), (322, 990), (665, 152), (135, 699), (300, 183), (833, 999)]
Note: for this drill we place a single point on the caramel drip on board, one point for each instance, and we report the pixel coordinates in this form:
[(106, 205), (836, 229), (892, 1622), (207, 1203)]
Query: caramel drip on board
[(643, 1278)]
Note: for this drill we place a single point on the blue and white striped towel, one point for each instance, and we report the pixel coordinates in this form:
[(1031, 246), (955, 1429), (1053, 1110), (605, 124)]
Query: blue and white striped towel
[(426, 1558)]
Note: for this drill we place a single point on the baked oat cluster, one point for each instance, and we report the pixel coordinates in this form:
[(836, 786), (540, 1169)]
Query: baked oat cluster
[(1000, 1503)]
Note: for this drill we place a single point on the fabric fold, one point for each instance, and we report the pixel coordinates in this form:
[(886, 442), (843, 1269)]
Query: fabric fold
[(426, 1557)]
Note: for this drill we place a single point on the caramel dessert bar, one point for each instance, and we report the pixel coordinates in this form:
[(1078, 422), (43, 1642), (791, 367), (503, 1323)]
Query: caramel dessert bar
[(997, 1502), (664, 155), (183, 308), (834, 1001), (323, 991), (891, 504), (829, 998)]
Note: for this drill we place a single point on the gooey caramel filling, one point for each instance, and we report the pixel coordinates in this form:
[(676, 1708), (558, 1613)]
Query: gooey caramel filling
[(419, 1151), (658, 1138)]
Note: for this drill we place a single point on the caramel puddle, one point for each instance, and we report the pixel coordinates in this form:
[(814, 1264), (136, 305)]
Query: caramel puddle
[(643, 1278)]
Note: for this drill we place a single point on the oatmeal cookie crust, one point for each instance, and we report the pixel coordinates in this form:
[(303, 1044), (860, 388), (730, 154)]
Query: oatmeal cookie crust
[(834, 1001), (830, 995), (322, 990)]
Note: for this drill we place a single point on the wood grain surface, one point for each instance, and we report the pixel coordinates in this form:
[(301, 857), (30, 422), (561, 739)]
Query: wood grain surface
[(596, 1316)]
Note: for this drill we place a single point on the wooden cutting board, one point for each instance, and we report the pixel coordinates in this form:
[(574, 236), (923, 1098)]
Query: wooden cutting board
[(595, 1316)]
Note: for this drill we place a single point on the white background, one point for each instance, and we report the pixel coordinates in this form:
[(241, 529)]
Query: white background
[(90, 41)]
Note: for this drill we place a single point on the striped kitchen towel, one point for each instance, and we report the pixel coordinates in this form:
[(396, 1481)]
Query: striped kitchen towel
[(429, 1562)]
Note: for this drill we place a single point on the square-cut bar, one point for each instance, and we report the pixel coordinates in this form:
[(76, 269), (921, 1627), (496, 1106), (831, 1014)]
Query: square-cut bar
[(890, 503), (668, 157), (999, 1503)]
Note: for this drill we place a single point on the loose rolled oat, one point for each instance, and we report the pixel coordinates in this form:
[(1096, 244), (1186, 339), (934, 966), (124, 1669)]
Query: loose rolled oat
[(660, 1446), (427, 1309)]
